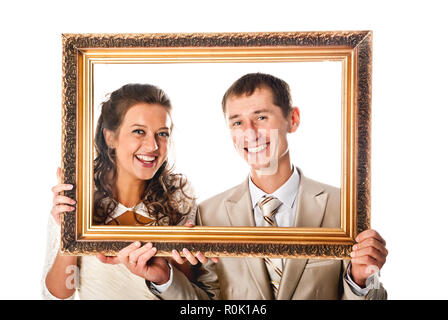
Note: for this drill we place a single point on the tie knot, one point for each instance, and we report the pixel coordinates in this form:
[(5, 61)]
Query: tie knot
[(269, 206)]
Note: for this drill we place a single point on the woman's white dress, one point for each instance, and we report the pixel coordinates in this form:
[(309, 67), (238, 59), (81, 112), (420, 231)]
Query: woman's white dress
[(95, 279)]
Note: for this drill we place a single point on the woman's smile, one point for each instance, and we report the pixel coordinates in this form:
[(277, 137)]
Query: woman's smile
[(147, 161)]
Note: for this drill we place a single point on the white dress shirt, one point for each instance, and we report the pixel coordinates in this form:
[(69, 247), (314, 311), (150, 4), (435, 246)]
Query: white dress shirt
[(287, 194)]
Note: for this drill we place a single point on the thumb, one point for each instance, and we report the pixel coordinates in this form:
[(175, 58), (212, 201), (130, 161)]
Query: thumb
[(107, 260)]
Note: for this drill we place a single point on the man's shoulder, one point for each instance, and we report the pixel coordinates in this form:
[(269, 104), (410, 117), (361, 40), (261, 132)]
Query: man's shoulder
[(220, 197), (212, 212), (317, 185), (332, 196)]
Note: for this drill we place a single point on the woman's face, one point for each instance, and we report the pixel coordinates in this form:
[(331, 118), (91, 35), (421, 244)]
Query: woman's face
[(142, 141)]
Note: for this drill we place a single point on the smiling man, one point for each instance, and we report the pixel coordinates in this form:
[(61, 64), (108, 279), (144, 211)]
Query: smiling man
[(260, 115)]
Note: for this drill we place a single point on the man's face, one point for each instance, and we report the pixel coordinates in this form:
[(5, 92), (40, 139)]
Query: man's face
[(259, 128)]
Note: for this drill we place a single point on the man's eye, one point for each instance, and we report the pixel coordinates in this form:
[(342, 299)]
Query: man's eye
[(261, 118), (236, 123)]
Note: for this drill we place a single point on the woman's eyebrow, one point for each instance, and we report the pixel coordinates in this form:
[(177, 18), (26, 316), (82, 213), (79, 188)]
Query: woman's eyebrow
[(138, 125)]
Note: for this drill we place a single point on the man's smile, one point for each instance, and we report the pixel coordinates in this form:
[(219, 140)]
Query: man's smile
[(257, 149)]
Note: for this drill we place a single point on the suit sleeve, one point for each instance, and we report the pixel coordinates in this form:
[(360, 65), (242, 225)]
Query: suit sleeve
[(204, 287), (376, 293)]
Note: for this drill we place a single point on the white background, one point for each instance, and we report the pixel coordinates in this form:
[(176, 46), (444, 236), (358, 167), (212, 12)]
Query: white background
[(202, 144), (409, 135)]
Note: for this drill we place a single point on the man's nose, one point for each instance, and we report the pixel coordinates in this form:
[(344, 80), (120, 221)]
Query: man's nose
[(250, 132)]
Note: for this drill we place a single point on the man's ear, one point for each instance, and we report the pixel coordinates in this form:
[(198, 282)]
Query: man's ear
[(294, 119), (109, 137)]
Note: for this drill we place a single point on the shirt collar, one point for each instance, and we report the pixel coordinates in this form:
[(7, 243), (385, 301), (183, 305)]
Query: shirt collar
[(120, 209), (287, 193)]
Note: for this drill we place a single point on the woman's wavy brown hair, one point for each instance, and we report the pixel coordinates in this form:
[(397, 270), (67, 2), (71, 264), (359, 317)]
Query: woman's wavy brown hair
[(164, 195)]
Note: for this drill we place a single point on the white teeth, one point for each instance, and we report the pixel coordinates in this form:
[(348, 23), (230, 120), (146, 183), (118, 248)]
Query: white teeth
[(145, 158), (257, 149)]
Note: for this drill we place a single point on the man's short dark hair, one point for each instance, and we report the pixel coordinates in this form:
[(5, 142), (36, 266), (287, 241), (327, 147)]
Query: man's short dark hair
[(247, 84)]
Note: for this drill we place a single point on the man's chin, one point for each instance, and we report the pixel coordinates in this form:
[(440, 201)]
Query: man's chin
[(260, 165)]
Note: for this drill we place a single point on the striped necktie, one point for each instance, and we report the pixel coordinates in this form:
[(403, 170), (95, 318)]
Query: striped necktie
[(269, 206)]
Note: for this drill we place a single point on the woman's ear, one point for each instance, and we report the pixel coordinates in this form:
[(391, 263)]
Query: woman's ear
[(294, 119), (109, 137)]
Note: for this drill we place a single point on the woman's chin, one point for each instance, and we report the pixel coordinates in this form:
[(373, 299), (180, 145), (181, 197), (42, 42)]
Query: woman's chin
[(147, 176), (145, 171)]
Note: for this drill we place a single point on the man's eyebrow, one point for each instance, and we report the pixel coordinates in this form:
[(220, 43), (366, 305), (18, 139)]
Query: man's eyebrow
[(255, 112), (261, 111), (234, 116)]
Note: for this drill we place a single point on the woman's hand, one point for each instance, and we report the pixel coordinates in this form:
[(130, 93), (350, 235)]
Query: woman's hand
[(61, 203), (141, 262), (57, 279)]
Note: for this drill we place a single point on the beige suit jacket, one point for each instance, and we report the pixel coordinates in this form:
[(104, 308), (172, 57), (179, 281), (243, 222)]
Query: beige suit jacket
[(247, 278)]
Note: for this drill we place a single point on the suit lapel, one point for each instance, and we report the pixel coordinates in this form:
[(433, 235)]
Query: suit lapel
[(260, 276), (240, 214), (311, 203), (239, 208)]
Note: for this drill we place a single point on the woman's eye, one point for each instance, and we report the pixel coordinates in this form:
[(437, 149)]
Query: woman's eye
[(138, 131), (164, 134), (261, 117)]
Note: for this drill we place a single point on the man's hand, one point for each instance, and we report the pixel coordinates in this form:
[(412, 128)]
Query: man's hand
[(188, 255), (368, 256), (141, 262), (194, 260)]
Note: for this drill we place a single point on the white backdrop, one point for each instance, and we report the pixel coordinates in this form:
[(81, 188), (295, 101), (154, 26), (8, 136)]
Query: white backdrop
[(409, 134), (203, 149)]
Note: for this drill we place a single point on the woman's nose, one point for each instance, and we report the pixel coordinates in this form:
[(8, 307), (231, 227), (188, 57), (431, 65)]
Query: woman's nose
[(150, 143)]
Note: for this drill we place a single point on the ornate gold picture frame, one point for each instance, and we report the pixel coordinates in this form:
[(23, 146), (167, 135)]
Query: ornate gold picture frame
[(81, 52)]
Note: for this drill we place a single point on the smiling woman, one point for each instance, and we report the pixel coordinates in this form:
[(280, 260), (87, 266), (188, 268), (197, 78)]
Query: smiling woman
[(131, 166), (133, 185)]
